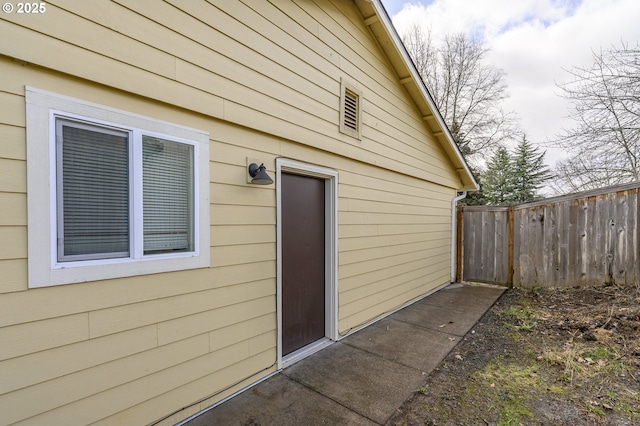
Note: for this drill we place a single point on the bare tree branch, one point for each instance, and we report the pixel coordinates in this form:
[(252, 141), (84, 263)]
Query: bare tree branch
[(604, 143), (467, 91)]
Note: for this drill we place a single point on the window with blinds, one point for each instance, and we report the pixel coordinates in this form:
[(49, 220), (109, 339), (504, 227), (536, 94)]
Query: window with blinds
[(112, 193), (96, 211), (93, 192), (167, 169)]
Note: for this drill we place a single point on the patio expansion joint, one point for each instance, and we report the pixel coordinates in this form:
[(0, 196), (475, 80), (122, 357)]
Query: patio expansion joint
[(283, 372), (439, 330)]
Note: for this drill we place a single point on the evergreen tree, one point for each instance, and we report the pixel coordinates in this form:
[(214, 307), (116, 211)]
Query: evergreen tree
[(529, 172), (475, 198), (498, 180), (514, 179)]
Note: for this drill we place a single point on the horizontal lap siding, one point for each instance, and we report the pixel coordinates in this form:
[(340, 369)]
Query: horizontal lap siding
[(134, 349), (208, 58), (392, 126), (87, 351), (12, 146), (394, 237), (395, 245), (13, 197)]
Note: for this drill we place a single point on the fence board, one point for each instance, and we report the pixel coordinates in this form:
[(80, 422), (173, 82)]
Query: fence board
[(485, 244), (580, 239)]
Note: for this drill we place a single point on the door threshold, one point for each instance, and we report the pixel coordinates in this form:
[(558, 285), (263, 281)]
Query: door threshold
[(304, 352)]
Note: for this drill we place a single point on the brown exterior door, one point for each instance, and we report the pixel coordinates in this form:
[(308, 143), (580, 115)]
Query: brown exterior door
[(303, 261)]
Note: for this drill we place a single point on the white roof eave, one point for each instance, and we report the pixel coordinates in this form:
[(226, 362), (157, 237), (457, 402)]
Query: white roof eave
[(378, 13)]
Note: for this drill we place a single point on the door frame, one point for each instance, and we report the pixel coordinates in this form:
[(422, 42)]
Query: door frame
[(330, 178)]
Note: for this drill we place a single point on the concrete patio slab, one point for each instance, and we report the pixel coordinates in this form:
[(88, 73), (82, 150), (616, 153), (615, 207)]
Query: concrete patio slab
[(382, 385), (422, 349), (469, 299), (443, 319), (365, 377), (280, 401)]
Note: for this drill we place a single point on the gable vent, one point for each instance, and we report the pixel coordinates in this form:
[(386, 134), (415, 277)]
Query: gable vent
[(351, 110)]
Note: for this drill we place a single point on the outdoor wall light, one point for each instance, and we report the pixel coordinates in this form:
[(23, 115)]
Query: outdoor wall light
[(259, 174)]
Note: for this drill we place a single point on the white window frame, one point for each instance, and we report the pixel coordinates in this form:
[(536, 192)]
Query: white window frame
[(44, 269)]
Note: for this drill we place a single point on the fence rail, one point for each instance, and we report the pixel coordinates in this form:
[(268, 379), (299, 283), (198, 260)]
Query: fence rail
[(579, 239)]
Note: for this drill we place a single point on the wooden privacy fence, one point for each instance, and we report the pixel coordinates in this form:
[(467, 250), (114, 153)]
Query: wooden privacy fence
[(587, 238)]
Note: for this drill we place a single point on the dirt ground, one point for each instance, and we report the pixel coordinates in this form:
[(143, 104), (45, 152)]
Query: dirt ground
[(540, 357)]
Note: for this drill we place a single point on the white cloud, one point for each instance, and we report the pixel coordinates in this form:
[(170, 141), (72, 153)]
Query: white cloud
[(532, 41)]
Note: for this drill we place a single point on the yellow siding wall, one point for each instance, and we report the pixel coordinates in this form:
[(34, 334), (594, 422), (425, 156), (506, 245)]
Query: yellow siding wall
[(133, 350)]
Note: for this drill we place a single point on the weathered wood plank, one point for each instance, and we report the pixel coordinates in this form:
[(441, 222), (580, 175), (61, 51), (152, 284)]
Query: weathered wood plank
[(501, 265), (518, 241), (619, 228), (630, 230), (549, 246), (485, 257), (469, 241), (572, 269), (564, 242)]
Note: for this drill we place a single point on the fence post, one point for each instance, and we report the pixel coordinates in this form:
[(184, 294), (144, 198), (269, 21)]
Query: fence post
[(510, 249), (459, 242)]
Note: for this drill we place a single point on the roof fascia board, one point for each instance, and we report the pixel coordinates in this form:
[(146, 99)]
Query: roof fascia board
[(385, 20)]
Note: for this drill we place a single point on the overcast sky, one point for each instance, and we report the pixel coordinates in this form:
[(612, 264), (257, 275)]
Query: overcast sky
[(532, 41)]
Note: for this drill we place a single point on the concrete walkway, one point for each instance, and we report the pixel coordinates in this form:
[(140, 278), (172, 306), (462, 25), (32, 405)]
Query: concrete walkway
[(364, 378)]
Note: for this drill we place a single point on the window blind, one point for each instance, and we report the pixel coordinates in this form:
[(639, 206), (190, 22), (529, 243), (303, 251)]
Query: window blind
[(93, 191), (168, 195)]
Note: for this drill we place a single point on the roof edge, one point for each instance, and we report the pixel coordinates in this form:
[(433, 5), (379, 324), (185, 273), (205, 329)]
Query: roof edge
[(460, 164)]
